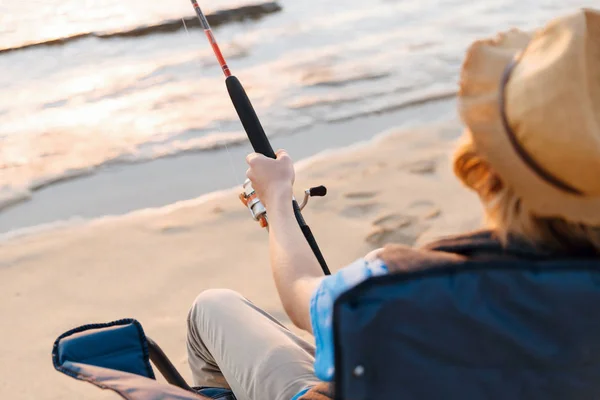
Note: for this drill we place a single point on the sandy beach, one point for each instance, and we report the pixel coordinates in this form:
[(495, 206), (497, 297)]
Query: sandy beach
[(150, 265)]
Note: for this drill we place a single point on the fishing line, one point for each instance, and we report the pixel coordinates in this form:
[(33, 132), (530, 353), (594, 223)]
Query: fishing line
[(219, 126)]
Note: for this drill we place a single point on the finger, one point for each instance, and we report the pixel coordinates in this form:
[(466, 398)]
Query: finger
[(249, 173), (280, 153), (252, 157), (283, 155)]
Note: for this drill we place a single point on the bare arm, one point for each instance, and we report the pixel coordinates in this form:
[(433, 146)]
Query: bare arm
[(295, 268)]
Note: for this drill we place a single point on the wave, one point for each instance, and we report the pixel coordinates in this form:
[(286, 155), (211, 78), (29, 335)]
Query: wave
[(176, 147), (217, 18), (428, 96), (11, 196), (300, 165)]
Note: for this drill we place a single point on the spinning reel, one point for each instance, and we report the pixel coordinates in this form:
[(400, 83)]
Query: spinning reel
[(258, 210)]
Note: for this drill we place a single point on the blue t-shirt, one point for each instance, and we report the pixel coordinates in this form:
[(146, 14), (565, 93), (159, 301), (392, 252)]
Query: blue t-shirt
[(321, 310)]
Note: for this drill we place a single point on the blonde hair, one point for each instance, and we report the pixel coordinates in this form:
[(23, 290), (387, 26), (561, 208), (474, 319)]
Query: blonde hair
[(504, 212)]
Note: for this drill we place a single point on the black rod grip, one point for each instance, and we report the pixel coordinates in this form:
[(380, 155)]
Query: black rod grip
[(248, 117)]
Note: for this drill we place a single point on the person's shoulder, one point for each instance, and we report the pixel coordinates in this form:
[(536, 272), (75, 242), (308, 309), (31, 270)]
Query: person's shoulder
[(403, 258), (462, 242)]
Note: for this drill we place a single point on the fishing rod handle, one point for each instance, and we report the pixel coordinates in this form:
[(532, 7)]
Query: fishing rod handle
[(252, 126), (261, 144)]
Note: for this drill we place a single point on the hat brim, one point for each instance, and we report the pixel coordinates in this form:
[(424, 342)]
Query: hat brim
[(479, 98)]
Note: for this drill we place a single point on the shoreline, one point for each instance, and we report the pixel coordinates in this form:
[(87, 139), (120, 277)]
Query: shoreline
[(122, 189)]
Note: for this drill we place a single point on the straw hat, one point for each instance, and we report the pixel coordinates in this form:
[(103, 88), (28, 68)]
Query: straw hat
[(531, 103)]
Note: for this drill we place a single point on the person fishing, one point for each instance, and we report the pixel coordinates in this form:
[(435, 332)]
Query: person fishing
[(531, 151)]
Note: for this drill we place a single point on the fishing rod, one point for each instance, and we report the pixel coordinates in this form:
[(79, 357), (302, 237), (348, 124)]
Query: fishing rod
[(260, 143)]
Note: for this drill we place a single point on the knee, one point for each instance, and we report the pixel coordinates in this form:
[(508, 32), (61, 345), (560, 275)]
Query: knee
[(213, 301)]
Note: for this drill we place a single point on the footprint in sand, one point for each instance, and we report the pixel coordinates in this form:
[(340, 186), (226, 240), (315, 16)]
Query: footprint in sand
[(359, 210), (379, 237), (171, 230), (360, 195), (403, 228), (395, 228), (394, 221), (424, 209), (422, 167)]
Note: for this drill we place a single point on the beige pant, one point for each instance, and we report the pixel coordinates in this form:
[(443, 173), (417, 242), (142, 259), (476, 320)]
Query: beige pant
[(234, 344)]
